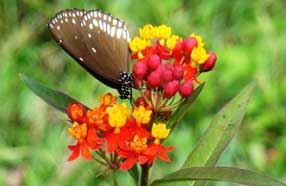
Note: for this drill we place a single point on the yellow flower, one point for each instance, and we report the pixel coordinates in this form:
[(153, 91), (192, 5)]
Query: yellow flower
[(199, 40), (159, 131), (147, 32), (171, 41), (163, 32), (79, 132), (137, 44), (198, 56), (117, 116), (141, 115)]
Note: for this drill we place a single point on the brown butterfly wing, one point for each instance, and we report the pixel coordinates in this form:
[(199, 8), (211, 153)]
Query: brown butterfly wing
[(101, 54)]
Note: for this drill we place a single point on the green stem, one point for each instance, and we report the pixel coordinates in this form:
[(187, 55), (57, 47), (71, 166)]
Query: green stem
[(114, 177), (145, 174)]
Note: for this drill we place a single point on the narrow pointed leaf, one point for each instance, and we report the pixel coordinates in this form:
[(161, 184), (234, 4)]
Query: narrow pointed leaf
[(184, 107), (54, 98), (134, 173), (229, 174), (222, 129)]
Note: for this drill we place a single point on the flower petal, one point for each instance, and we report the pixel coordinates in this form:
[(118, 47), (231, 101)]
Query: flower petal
[(128, 163)]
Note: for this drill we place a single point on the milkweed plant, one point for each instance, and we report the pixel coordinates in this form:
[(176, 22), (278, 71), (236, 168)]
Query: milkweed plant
[(129, 136)]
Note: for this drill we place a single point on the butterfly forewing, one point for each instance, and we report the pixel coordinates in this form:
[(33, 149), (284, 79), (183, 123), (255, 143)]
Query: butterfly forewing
[(90, 38), (106, 38)]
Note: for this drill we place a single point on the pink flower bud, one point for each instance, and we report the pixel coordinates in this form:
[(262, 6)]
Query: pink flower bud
[(178, 72), (186, 89), (189, 44), (171, 88), (167, 75), (153, 62), (154, 79), (139, 70), (209, 64)]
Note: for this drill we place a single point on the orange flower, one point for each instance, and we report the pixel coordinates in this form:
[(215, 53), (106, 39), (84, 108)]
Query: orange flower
[(98, 117), (107, 100), (87, 138)]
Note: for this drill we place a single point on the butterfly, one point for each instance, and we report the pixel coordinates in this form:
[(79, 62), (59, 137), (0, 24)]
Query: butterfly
[(98, 42)]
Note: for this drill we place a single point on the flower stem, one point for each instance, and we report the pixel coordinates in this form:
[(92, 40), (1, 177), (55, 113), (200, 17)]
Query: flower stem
[(114, 177), (145, 174)]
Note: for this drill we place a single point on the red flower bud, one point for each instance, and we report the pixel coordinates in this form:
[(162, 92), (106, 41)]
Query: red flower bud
[(186, 89), (209, 64), (171, 88), (177, 51), (189, 44), (153, 62), (76, 112), (178, 72), (154, 79), (139, 70), (167, 75)]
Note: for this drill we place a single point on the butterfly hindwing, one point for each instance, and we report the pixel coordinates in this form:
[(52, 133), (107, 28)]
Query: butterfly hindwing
[(96, 40)]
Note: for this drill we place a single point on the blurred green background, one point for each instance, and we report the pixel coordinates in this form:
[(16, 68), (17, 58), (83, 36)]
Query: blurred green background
[(249, 38)]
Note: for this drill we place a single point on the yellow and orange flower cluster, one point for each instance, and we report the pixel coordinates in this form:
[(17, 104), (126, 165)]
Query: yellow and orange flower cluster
[(113, 128)]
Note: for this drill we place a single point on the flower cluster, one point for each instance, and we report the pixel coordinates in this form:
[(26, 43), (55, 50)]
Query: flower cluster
[(166, 64), (119, 137), (128, 137)]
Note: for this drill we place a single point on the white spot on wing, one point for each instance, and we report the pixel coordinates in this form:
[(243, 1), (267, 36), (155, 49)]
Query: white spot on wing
[(118, 33), (104, 16), (95, 22), (108, 29), (89, 35), (120, 23), (80, 59), (114, 22), (58, 27), (100, 24), (93, 49), (90, 26), (124, 34), (112, 32), (104, 26)]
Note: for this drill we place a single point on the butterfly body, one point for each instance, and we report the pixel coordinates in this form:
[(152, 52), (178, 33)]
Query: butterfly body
[(98, 42)]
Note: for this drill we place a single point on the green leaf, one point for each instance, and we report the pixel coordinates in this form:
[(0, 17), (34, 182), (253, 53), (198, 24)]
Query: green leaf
[(134, 173), (54, 98), (184, 107), (229, 174), (223, 127)]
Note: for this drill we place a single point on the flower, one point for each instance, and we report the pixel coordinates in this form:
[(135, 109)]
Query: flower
[(147, 32), (159, 131), (141, 115), (107, 100), (163, 31), (138, 44), (198, 56), (117, 116), (87, 138), (199, 40), (76, 112), (171, 41), (134, 152)]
